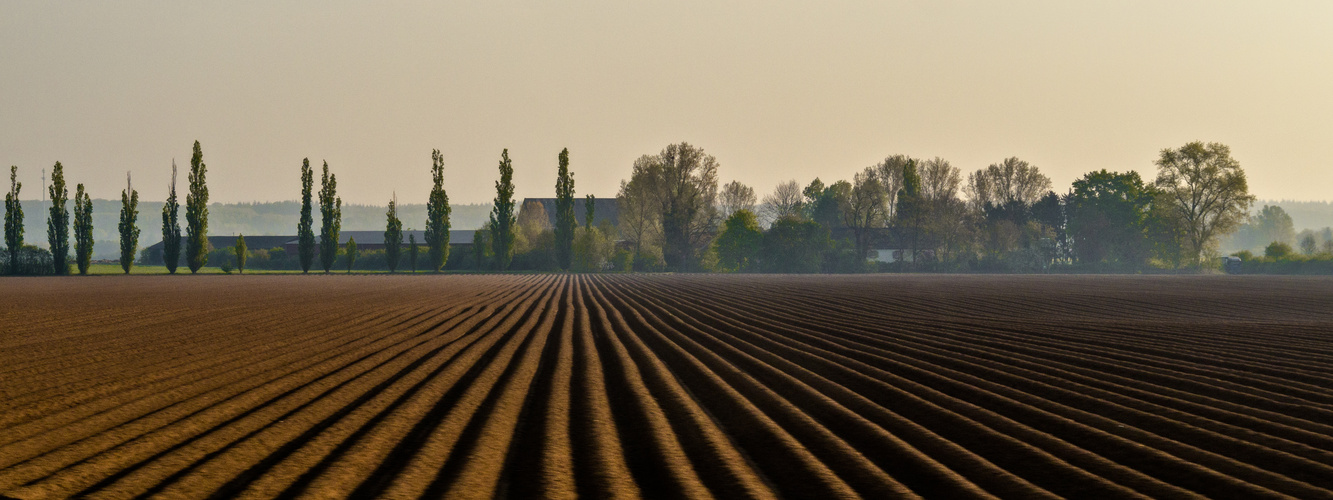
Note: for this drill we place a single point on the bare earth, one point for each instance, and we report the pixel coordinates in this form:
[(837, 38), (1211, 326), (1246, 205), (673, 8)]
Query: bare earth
[(666, 386)]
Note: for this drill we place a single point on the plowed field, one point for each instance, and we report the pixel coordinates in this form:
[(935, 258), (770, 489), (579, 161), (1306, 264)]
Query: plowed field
[(666, 386)]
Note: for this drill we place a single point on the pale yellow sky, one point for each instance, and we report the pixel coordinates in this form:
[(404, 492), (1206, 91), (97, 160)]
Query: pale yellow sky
[(775, 90)]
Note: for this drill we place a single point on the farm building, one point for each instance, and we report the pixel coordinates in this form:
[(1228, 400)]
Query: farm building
[(604, 209), (460, 240), (886, 245)]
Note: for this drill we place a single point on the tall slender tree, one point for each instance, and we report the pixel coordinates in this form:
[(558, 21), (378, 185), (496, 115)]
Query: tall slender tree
[(502, 214), (412, 251), (196, 213), (910, 213), (304, 229), (171, 228), (589, 211), (241, 252), (83, 229), (437, 215), (57, 224), (565, 222), (13, 220), (331, 213), (129, 225), (351, 254), (393, 235)]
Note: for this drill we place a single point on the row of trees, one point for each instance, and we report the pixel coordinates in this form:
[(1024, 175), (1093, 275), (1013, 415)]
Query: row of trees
[(1002, 217), (673, 215)]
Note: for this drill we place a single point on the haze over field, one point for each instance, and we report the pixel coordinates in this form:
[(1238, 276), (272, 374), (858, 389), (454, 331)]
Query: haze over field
[(795, 90)]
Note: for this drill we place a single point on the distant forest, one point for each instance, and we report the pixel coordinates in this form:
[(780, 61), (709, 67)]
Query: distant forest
[(250, 219)]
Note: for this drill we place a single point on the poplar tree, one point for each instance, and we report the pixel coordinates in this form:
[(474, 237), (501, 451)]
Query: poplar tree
[(83, 230), (331, 213), (129, 228), (13, 220), (304, 230), (171, 228), (196, 213), (240, 250), (589, 210), (351, 254), (57, 224), (393, 235), (502, 214), (437, 215), (565, 223), (412, 250)]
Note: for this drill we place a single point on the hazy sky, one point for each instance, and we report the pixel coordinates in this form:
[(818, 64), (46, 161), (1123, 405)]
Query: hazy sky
[(774, 90)]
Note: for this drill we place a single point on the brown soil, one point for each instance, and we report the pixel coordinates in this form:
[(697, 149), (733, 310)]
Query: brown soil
[(666, 386)]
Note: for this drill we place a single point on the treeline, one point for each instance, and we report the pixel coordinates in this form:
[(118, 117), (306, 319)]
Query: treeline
[(901, 214)]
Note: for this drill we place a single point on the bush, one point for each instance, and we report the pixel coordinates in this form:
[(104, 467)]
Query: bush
[(1277, 250)]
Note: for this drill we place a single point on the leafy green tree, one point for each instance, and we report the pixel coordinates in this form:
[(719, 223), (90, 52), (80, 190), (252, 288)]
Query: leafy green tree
[(351, 254), (1207, 191), (393, 236), (57, 224), (681, 184), (794, 245), (565, 222), (1108, 218), (13, 220), (305, 228), (503, 219), (740, 242), (1277, 250), (1308, 244), (83, 230), (196, 213), (129, 228), (241, 252), (910, 213), (412, 250), (171, 228), (437, 215), (1275, 224), (330, 212)]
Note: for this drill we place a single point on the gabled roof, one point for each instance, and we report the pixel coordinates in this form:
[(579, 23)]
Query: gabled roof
[(456, 237), (603, 209)]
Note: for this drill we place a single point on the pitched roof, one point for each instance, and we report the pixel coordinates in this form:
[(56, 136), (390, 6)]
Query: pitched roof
[(603, 209), (456, 237)]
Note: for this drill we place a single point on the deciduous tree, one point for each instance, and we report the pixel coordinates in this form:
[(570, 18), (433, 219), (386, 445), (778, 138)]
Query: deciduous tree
[(565, 221), (351, 254), (784, 202), (733, 197), (83, 230), (330, 212), (639, 220), (14, 220), (502, 215), (739, 243), (865, 209), (241, 252), (57, 222), (589, 210), (393, 235), (305, 228), (1108, 218), (1207, 191), (890, 175), (412, 251), (196, 213), (129, 225), (171, 228), (437, 215), (683, 187)]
